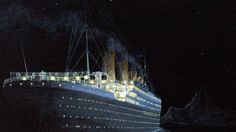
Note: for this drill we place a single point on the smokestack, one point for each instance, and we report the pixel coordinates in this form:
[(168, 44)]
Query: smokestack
[(124, 71), (109, 65), (132, 75)]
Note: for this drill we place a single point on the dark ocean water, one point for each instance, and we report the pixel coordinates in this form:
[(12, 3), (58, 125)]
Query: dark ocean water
[(198, 129)]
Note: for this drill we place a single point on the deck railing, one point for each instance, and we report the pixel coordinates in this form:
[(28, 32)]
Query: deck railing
[(94, 79)]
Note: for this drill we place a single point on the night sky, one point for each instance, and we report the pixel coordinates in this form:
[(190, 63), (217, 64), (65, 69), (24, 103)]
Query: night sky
[(189, 44)]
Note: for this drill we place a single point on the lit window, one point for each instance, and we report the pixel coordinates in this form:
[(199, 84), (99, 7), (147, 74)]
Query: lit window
[(77, 78), (52, 78), (66, 78), (86, 77), (91, 81), (104, 81), (24, 78)]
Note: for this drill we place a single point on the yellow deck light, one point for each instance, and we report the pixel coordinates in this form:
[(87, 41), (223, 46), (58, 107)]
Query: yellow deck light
[(91, 81), (66, 78), (77, 78), (52, 78), (24, 78), (86, 77)]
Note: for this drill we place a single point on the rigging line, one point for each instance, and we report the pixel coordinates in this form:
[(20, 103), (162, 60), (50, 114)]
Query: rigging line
[(108, 29), (102, 45), (77, 61), (74, 38), (71, 44), (75, 26), (68, 54), (102, 14), (74, 31), (113, 22), (109, 22), (93, 25), (116, 58), (95, 60), (95, 63), (76, 45), (95, 41), (23, 55), (104, 20), (101, 42), (71, 38)]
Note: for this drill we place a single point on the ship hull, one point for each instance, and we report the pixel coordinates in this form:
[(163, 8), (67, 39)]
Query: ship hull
[(63, 109)]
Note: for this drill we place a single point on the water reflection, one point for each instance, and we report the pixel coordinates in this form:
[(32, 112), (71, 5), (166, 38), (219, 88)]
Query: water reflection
[(161, 130)]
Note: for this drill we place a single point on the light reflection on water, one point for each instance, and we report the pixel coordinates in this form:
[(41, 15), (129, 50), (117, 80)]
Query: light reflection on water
[(161, 130)]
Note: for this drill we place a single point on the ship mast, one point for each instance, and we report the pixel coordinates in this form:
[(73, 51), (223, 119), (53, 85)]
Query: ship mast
[(23, 55), (86, 38)]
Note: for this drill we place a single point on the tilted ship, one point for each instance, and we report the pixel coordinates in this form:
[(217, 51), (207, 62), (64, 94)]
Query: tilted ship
[(115, 98)]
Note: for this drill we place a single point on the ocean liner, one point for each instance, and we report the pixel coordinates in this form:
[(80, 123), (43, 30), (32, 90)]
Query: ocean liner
[(115, 98)]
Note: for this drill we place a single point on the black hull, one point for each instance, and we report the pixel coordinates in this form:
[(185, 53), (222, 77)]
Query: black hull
[(58, 109)]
